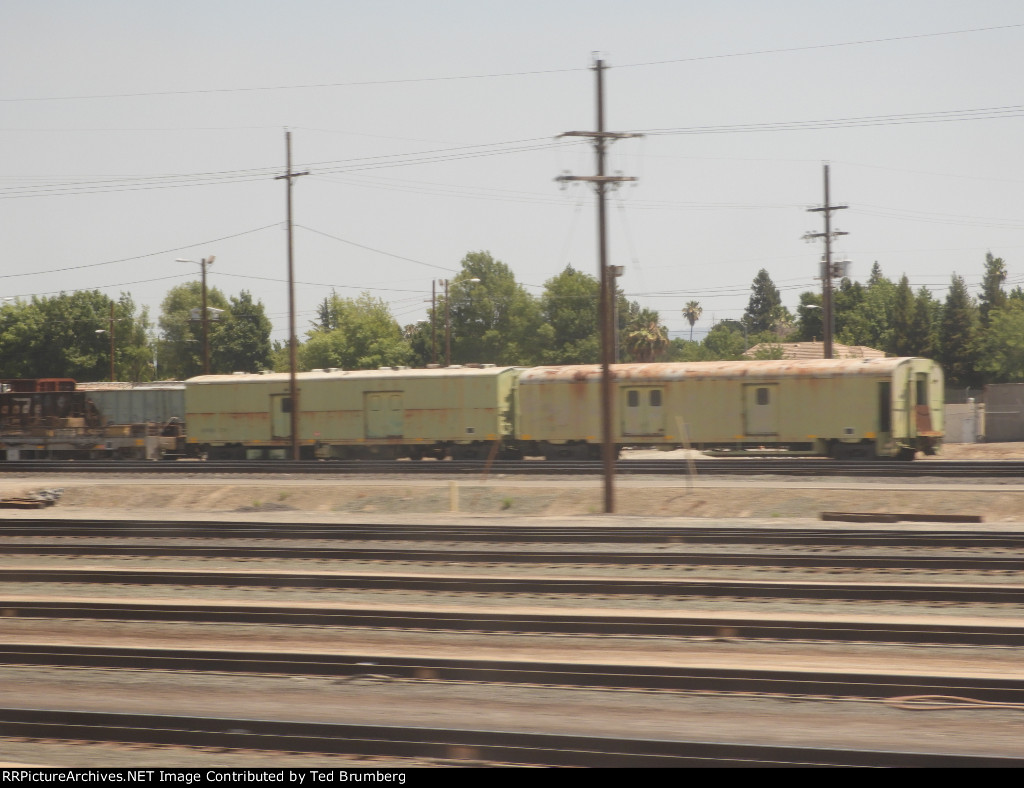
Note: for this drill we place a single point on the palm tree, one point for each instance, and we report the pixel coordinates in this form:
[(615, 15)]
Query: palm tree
[(646, 339), (692, 312)]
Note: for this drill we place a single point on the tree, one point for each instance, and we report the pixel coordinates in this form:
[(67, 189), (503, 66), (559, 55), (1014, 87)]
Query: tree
[(845, 313), (725, 341), (1000, 349), (423, 345), (68, 335), (692, 312), (958, 332), (493, 319), (902, 320), (243, 337), (762, 309), (646, 339), (868, 315), (180, 348), (570, 333), (924, 331), (992, 294), (364, 336), (810, 318)]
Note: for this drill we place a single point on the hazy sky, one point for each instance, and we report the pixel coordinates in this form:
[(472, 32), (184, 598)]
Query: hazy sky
[(134, 132)]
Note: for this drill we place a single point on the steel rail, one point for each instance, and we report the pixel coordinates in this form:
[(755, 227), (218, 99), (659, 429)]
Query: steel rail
[(982, 633), (563, 674), (517, 534), (758, 589), (506, 746), (368, 554), (783, 466)]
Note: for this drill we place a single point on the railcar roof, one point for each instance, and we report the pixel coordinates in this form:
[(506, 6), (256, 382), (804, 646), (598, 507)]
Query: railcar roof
[(362, 374), (719, 369)]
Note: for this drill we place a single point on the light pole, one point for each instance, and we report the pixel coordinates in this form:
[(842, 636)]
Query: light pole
[(205, 317)]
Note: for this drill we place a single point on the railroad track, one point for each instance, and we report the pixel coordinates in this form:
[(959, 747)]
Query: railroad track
[(599, 587), (904, 688), (977, 563), (516, 534), (783, 466), (729, 626), (491, 746)]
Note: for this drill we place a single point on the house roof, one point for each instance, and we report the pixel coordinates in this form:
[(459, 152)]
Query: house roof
[(809, 350)]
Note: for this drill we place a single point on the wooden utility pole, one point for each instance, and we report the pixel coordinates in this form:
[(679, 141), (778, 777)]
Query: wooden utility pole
[(447, 327), (113, 376), (828, 272), (433, 321), (206, 318), (601, 182), (293, 389)]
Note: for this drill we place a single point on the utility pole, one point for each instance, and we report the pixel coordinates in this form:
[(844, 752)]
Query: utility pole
[(433, 321), (447, 327), (293, 389), (601, 183), (828, 272), (113, 377), (206, 319)]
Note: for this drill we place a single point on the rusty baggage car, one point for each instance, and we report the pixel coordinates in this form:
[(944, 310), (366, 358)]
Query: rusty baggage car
[(859, 408), (850, 408), (461, 412)]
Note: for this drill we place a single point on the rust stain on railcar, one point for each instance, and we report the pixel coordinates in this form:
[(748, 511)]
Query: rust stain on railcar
[(810, 368)]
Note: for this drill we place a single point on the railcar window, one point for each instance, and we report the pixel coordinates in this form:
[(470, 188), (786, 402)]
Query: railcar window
[(286, 405), (656, 398), (885, 407), (762, 396), (633, 399)]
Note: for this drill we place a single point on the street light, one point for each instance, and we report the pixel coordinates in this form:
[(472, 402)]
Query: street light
[(205, 316), (828, 330)]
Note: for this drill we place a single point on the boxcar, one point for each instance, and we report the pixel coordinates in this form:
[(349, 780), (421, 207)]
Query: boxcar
[(889, 407), (463, 412)]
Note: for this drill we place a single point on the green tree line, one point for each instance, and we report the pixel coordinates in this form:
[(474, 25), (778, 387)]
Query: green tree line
[(489, 317)]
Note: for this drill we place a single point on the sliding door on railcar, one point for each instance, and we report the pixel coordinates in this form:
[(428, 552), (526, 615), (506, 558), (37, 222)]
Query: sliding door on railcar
[(385, 414), (643, 412), (280, 416), (761, 408)]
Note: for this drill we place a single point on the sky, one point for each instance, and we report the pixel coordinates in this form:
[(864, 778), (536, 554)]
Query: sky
[(136, 132)]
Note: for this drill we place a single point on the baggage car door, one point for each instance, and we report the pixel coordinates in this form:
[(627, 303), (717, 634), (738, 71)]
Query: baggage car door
[(384, 414), (761, 408), (280, 416), (643, 413)]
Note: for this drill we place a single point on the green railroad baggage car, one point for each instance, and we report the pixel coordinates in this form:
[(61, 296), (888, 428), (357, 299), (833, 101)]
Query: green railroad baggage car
[(848, 408), (463, 412)]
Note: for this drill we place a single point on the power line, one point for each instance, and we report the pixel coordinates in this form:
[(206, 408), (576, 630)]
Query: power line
[(506, 74), (377, 251), (937, 116), (141, 256), (810, 47)]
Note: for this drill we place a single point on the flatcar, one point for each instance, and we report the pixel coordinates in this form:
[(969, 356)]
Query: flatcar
[(862, 408)]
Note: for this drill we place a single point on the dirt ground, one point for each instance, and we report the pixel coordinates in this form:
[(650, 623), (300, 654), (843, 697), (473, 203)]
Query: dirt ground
[(285, 498)]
